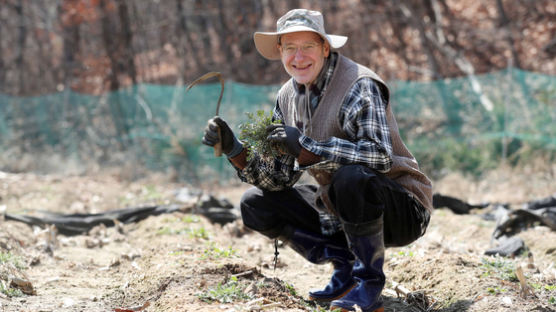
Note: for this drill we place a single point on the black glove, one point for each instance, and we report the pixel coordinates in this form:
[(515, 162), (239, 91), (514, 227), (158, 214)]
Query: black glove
[(230, 144), (285, 136)]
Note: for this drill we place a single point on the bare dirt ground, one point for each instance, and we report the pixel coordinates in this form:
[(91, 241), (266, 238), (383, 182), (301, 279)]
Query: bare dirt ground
[(183, 262)]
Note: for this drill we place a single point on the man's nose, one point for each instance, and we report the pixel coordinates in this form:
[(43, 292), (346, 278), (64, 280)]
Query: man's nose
[(299, 53)]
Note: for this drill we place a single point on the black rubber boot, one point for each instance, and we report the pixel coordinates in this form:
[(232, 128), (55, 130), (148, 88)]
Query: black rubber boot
[(366, 242), (318, 249)]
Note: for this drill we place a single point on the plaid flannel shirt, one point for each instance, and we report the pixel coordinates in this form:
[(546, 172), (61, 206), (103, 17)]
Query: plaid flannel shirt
[(363, 119)]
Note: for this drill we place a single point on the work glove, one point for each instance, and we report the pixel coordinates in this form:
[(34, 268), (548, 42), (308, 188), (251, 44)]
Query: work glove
[(286, 137), (231, 146)]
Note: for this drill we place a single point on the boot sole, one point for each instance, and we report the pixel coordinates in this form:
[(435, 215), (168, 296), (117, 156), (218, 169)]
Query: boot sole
[(381, 309), (337, 297)]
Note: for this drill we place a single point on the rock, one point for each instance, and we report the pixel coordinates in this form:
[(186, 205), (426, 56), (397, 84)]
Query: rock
[(24, 285)]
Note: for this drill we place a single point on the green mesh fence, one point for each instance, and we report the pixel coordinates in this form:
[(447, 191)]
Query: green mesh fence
[(474, 123), (470, 123)]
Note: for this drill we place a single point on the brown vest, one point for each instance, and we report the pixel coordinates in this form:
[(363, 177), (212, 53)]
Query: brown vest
[(325, 124)]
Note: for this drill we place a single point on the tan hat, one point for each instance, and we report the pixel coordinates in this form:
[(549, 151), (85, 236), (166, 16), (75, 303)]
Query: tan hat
[(294, 21)]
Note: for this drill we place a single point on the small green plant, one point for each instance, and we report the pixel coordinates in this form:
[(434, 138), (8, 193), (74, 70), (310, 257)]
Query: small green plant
[(10, 292), (201, 233), (535, 286), (550, 287), (496, 290), (552, 300), (225, 293), (151, 193), (214, 252), (190, 219), (8, 257), (165, 231), (176, 253), (253, 134), (198, 233), (403, 253), (499, 267), (290, 289)]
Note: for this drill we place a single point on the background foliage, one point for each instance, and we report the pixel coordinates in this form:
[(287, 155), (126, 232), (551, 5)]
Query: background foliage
[(86, 84)]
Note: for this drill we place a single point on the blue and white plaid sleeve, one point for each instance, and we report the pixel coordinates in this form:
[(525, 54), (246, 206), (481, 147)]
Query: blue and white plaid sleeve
[(363, 118)]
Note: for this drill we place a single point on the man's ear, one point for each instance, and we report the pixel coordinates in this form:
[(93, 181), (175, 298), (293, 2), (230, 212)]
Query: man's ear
[(326, 48), (279, 47)]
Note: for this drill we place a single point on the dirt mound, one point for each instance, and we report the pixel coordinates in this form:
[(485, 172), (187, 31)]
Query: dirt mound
[(183, 262)]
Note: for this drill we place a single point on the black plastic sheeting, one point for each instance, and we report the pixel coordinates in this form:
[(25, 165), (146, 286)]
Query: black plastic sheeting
[(216, 210), (75, 224), (509, 222)]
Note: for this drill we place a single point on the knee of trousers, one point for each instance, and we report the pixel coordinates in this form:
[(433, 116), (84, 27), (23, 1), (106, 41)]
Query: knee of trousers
[(256, 217), (353, 195), (249, 202), (352, 180)]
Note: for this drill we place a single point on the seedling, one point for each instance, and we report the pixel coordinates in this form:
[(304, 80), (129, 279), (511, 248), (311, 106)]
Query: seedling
[(165, 231), (8, 257), (403, 253), (176, 253), (550, 287), (190, 219), (496, 290), (253, 134), (290, 289), (214, 252), (151, 193), (503, 269), (191, 233), (225, 293), (10, 292), (198, 233)]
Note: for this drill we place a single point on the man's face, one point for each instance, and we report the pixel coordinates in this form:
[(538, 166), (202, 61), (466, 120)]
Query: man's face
[(303, 54)]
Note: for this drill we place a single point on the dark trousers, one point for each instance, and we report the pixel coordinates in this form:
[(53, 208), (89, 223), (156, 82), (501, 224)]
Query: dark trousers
[(359, 195)]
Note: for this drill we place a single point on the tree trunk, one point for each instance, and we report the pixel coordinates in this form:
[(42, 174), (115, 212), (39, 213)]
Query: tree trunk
[(71, 39), (108, 38), (181, 31), (203, 22), (226, 34), (507, 29), (127, 40), (2, 66), (20, 58)]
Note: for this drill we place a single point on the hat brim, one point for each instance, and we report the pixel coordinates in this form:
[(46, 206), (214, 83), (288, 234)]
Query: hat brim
[(267, 42)]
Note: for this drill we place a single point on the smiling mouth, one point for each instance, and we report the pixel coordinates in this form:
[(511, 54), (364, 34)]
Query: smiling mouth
[(302, 67)]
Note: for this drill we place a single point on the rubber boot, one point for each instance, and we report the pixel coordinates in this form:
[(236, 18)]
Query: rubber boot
[(366, 242), (318, 249)]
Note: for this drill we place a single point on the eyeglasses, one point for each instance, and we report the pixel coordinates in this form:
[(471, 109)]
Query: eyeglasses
[(307, 48)]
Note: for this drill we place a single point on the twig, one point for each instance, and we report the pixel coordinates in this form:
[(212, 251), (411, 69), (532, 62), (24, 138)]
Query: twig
[(400, 289), (254, 301), (270, 305), (525, 288), (248, 272)]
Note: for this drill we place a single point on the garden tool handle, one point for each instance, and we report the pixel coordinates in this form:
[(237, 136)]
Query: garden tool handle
[(218, 145)]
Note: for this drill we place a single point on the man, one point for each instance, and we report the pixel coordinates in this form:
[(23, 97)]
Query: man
[(338, 126)]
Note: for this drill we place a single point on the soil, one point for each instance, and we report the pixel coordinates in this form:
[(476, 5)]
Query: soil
[(182, 261)]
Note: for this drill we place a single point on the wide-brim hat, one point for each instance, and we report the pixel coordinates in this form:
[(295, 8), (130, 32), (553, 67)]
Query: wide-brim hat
[(294, 21)]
